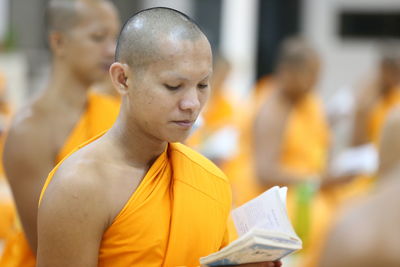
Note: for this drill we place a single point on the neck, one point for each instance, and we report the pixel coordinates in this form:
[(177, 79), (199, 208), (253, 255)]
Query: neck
[(138, 148), (65, 87)]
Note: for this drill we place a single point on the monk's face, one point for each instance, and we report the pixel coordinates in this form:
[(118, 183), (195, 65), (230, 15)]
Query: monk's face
[(298, 80), (167, 97), (89, 46), (390, 75)]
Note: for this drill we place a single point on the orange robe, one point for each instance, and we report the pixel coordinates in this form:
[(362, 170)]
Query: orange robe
[(379, 113), (178, 214), (304, 148), (327, 204), (99, 115)]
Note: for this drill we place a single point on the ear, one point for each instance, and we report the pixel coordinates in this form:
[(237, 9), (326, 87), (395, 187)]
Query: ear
[(56, 42), (119, 74)]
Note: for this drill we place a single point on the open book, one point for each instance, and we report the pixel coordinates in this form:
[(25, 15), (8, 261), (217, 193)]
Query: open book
[(265, 232)]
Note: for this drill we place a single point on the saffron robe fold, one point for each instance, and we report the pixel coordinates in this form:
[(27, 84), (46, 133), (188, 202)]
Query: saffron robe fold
[(178, 213)]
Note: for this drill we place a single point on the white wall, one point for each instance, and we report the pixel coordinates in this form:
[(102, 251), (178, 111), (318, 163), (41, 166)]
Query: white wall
[(345, 62), (14, 67), (185, 6), (238, 42)]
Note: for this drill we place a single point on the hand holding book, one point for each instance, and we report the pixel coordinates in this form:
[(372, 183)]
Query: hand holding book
[(265, 232)]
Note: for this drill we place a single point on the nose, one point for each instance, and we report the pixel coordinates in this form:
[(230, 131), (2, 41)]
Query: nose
[(190, 100), (110, 48)]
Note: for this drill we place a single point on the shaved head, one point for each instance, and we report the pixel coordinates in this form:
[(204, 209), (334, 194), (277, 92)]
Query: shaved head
[(140, 40), (298, 68), (390, 54), (62, 15), (296, 52)]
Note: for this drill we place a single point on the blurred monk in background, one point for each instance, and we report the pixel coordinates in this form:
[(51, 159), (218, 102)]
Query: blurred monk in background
[(82, 36)]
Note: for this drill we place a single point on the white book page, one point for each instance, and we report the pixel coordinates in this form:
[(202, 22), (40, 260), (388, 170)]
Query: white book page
[(267, 211)]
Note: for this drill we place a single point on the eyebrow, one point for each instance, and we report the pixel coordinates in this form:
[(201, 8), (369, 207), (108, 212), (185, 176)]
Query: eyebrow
[(182, 78)]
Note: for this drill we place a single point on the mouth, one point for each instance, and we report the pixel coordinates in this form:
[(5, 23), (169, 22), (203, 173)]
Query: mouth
[(184, 123)]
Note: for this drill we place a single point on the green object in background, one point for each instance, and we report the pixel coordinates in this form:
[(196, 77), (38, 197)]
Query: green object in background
[(10, 40), (305, 192)]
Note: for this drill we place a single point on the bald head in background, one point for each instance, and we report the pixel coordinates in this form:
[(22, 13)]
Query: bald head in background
[(297, 67), (82, 36), (62, 15), (389, 67)]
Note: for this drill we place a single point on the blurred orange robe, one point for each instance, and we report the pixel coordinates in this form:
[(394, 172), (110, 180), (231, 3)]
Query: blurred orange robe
[(379, 113), (328, 204), (304, 147), (7, 210), (178, 213), (100, 114)]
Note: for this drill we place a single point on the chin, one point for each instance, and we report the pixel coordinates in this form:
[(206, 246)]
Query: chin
[(178, 138)]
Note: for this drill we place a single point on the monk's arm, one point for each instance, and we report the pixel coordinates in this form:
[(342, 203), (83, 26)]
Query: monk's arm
[(365, 99), (360, 130), (269, 130), (71, 222), (27, 162)]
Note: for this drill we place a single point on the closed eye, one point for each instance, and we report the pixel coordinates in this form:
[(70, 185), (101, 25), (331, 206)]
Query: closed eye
[(172, 88), (98, 37), (202, 86)]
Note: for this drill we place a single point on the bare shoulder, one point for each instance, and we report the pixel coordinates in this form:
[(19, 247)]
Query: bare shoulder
[(73, 212), (269, 107), (77, 177), (270, 121), (28, 137), (272, 113), (90, 182), (27, 120), (75, 192)]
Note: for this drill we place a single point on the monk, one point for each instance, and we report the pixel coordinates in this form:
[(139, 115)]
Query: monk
[(291, 109), (133, 196), (289, 136), (366, 233), (82, 36), (374, 102)]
